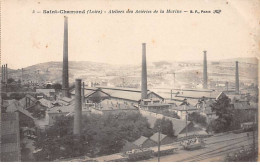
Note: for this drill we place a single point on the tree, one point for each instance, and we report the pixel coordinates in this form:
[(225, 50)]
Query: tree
[(165, 126), (10, 80), (101, 134), (48, 86), (197, 118), (224, 111), (57, 86)]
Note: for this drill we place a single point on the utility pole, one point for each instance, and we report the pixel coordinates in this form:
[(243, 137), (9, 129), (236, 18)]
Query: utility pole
[(174, 80), (159, 141), (254, 144), (185, 109)]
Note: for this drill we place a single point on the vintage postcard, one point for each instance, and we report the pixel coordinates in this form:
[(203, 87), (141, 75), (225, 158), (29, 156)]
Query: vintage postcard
[(129, 81)]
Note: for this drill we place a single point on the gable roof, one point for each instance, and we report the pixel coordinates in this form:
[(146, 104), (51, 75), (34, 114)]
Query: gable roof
[(16, 106), (46, 103), (154, 137), (6, 103), (23, 100), (177, 124), (140, 141), (66, 99), (62, 109)]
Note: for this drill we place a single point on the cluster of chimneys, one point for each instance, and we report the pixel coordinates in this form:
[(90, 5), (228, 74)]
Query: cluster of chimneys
[(79, 92), (4, 73), (205, 75)]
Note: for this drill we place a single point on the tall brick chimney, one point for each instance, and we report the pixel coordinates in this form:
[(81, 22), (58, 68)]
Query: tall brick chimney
[(237, 78), (65, 71), (6, 73), (2, 75), (83, 93), (144, 73), (205, 71), (78, 109)]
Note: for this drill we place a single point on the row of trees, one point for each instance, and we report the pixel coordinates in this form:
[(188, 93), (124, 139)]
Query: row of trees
[(101, 135)]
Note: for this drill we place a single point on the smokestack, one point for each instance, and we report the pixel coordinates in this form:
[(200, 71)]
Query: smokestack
[(227, 86), (6, 73), (78, 108), (22, 77), (65, 71), (205, 71), (144, 73), (83, 92), (237, 78), (2, 75)]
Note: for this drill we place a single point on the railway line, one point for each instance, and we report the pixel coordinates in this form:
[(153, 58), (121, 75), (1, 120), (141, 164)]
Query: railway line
[(215, 149), (219, 151)]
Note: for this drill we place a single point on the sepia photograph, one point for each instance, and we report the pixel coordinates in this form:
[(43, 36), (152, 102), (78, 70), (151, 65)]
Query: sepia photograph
[(129, 81)]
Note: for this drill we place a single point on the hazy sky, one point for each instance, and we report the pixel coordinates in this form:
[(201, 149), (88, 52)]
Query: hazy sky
[(29, 39)]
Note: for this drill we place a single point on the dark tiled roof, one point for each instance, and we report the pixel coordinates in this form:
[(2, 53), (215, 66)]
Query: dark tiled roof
[(155, 137), (140, 141)]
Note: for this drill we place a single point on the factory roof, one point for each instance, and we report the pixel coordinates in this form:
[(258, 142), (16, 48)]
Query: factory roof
[(127, 94), (45, 91), (114, 105), (65, 109), (197, 94), (188, 107)]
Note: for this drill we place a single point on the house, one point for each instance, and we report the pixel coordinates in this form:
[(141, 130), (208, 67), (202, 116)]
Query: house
[(164, 139), (40, 107), (144, 142), (179, 125), (205, 109), (183, 109)]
